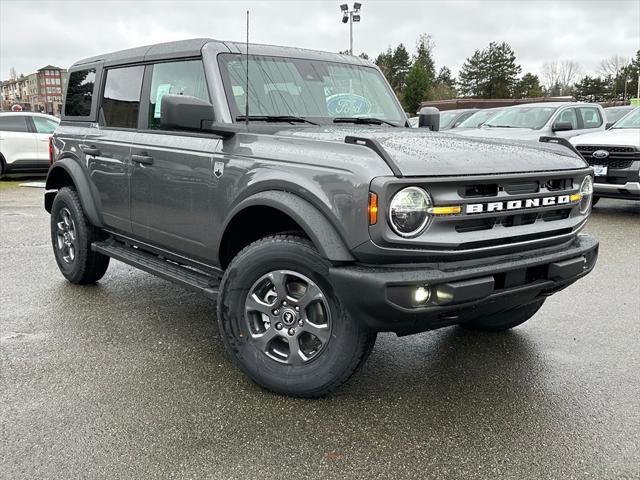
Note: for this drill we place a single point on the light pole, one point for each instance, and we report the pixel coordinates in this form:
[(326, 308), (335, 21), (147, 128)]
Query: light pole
[(350, 16)]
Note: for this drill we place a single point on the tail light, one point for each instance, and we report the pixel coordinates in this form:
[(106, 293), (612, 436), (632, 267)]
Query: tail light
[(51, 151)]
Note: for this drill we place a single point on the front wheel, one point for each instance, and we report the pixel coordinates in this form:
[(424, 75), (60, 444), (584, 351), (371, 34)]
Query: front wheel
[(501, 321), (72, 236), (282, 322)]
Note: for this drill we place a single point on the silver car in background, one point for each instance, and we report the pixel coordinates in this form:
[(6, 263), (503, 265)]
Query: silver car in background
[(534, 120), (478, 118)]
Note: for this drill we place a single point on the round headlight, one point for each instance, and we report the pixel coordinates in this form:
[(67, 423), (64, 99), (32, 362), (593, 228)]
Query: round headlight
[(409, 211), (586, 191)]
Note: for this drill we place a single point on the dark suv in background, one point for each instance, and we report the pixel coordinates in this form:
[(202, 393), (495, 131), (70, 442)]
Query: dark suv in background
[(303, 203)]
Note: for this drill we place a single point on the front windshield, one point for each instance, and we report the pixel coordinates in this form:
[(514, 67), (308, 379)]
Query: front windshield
[(522, 117), (478, 118), (614, 114), (447, 118), (315, 90), (631, 120)]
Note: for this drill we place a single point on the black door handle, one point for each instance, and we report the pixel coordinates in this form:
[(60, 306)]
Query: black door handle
[(90, 150), (143, 158)]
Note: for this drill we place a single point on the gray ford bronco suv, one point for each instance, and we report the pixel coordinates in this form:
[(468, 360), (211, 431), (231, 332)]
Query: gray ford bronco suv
[(286, 185)]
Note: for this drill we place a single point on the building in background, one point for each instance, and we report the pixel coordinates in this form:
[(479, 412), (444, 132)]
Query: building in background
[(41, 91)]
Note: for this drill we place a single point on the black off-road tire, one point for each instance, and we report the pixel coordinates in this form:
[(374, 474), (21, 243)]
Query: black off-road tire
[(346, 348), (499, 322), (86, 266)]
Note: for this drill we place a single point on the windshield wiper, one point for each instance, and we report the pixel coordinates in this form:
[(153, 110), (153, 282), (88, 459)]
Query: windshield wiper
[(275, 118), (364, 120), (497, 126)]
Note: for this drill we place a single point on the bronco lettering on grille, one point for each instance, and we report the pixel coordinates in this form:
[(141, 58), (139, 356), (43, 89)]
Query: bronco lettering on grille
[(517, 204)]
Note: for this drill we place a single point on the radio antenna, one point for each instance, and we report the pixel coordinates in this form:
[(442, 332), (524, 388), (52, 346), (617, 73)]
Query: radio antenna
[(246, 96)]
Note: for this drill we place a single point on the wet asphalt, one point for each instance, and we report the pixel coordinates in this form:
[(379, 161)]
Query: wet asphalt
[(129, 379)]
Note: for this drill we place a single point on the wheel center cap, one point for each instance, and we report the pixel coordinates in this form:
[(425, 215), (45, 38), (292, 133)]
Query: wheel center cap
[(289, 317)]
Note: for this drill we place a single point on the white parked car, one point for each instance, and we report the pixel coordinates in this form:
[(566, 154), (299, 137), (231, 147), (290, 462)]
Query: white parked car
[(24, 141), (615, 156), (534, 120)]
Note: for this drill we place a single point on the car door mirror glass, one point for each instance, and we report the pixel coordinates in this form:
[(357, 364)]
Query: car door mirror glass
[(429, 117), (562, 126)]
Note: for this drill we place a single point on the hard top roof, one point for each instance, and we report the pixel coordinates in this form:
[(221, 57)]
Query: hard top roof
[(193, 47)]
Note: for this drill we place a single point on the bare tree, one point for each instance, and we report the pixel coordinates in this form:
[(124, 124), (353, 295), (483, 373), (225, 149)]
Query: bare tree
[(569, 73), (12, 73), (611, 66), (558, 76)]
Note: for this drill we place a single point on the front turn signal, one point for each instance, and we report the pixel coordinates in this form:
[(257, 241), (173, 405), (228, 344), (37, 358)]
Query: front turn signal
[(373, 208)]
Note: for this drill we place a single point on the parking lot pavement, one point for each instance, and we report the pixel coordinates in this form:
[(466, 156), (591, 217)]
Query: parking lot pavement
[(129, 379)]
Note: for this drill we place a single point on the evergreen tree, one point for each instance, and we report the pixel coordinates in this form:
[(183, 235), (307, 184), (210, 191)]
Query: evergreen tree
[(528, 87), (445, 85), (490, 73), (401, 63), (417, 87), (384, 61), (592, 89)]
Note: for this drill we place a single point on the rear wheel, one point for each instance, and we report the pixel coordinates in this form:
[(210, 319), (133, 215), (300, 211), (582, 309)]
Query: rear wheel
[(282, 322), (72, 236), (501, 321)]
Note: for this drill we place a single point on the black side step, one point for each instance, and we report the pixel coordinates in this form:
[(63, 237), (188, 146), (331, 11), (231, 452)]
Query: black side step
[(174, 272)]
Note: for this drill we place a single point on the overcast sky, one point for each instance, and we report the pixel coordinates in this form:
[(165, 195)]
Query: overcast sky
[(34, 34)]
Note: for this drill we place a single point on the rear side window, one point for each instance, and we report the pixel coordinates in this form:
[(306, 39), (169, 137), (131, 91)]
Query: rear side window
[(80, 93), (176, 78), (590, 117), (13, 123), (121, 99), (44, 125)]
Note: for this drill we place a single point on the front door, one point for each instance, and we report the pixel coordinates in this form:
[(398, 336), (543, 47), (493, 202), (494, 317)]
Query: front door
[(172, 173), (567, 115)]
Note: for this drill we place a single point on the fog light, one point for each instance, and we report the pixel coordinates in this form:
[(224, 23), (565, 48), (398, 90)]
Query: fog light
[(421, 295), (443, 296)]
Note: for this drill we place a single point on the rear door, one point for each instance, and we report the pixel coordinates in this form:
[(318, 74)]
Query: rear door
[(172, 172), (107, 145), (590, 119), (18, 144)]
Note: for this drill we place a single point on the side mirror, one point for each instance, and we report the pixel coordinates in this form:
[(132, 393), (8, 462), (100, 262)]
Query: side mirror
[(182, 112), (429, 117), (609, 125), (561, 126)]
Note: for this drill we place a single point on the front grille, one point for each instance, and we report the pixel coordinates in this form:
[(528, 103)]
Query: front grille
[(521, 217), (619, 157)]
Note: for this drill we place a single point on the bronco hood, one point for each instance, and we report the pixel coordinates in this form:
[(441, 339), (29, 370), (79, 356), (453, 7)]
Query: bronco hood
[(419, 152)]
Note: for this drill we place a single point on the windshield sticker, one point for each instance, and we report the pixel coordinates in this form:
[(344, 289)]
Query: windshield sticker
[(161, 92), (348, 105)]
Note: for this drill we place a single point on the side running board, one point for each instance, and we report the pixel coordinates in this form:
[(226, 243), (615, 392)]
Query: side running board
[(183, 275)]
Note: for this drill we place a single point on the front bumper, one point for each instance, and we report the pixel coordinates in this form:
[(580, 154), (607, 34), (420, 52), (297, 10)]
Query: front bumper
[(381, 296), (629, 190)]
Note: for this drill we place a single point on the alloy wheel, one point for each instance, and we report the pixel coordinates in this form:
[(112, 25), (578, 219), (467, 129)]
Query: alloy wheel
[(288, 317), (66, 238)]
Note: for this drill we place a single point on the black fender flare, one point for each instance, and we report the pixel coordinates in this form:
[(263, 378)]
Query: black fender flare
[(314, 223), (72, 169)]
